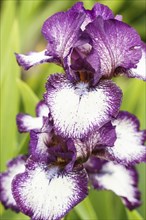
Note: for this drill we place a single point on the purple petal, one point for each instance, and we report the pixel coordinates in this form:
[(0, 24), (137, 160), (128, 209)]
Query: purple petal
[(140, 70), (78, 109), (82, 63), (47, 192), (32, 59), (100, 138), (62, 31), (42, 109), (115, 48), (97, 10), (39, 145), (27, 123), (129, 146), (121, 180), (101, 10), (15, 167)]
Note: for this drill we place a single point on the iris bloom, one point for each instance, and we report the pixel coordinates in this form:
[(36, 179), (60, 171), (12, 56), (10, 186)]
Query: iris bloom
[(79, 136)]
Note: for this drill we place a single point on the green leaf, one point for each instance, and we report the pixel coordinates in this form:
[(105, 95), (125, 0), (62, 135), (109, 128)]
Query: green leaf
[(133, 215), (9, 97), (8, 214), (29, 98), (85, 210)]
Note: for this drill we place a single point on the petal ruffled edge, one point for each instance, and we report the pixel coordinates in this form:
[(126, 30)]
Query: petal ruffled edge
[(129, 146), (119, 179), (43, 191)]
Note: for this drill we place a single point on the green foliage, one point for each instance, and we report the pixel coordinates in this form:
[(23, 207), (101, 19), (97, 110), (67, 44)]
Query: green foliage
[(21, 23)]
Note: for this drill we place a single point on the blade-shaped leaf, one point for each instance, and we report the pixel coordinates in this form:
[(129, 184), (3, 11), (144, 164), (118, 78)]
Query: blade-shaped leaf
[(29, 98), (134, 215), (85, 210)]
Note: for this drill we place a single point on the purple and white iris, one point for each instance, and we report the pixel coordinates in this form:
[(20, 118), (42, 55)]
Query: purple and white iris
[(79, 134)]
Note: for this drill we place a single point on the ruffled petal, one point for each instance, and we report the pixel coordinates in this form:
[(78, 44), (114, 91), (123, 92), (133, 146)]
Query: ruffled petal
[(129, 146), (140, 70), (62, 31), (101, 10), (47, 192), (78, 109), (121, 180), (42, 109), (115, 48), (15, 166), (97, 10), (27, 123), (33, 58)]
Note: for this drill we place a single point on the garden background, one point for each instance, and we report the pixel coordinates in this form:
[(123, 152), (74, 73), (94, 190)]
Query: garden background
[(21, 22)]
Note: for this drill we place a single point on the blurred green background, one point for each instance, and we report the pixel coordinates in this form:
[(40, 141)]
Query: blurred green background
[(21, 23)]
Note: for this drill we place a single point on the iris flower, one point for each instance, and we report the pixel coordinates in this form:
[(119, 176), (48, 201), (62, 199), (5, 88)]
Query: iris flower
[(79, 135)]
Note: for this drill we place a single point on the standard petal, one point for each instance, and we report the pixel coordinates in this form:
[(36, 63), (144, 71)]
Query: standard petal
[(47, 192), (33, 58), (15, 167), (129, 146), (97, 10), (42, 109), (121, 180), (115, 48), (62, 31), (27, 123), (101, 10), (78, 109), (140, 70)]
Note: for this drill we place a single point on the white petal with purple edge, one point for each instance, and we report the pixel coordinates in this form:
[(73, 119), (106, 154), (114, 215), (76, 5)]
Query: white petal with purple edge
[(121, 180), (46, 192), (42, 109), (78, 109), (15, 167), (27, 123), (128, 148), (32, 59)]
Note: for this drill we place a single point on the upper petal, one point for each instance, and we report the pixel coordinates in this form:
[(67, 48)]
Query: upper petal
[(115, 48), (129, 146), (33, 58), (121, 180), (78, 109), (97, 10), (62, 31), (47, 192), (15, 166)]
